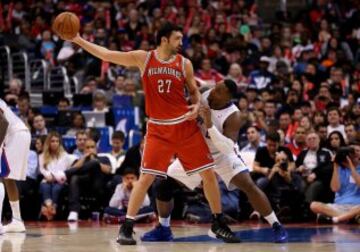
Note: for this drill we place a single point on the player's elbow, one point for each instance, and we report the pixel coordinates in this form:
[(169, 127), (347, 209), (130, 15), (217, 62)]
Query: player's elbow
[(4, 124)]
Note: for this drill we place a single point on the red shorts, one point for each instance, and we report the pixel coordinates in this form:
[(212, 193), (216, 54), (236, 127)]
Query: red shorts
[(183, 140)]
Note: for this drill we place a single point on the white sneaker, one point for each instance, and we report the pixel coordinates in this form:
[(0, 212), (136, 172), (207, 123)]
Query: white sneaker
[(73, 216), (15, 226)]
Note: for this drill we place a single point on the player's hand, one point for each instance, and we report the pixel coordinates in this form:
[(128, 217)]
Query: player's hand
[(76, 38), (205, 114), (193, 113)]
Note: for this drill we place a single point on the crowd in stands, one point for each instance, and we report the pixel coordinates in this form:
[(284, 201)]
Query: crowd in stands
[(298, 81)]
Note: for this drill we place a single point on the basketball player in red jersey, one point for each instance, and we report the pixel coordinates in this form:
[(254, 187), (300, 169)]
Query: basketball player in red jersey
[(172, 129)]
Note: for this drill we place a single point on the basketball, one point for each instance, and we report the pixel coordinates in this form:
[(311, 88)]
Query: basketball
[(66, 25)]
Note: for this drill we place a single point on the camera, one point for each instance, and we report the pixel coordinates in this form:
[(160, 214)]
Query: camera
[(342, 153), (284, 166)]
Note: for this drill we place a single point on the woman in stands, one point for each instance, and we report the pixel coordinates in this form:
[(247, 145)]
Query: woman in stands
[(52, 161)]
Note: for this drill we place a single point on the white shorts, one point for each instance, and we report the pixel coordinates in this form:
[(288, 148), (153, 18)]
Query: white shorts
[(225, 167), (15, 153)]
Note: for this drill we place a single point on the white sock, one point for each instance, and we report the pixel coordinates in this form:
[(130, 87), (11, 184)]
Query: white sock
[(335, 219), (165, 222), (2, 196), (271, 218), (130, 217), (15, 208)]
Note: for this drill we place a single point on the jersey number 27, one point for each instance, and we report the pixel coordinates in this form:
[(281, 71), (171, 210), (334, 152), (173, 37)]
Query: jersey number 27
[(164, 86)]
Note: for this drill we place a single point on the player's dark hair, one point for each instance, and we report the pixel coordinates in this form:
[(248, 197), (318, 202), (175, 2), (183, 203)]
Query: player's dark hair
[(231, 85), (165, 31)]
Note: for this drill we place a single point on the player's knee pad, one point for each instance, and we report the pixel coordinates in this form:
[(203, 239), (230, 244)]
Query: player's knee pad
[(164, 190)]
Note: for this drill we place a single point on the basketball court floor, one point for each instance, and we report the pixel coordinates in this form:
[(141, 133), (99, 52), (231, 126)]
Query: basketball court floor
[(92, 236)]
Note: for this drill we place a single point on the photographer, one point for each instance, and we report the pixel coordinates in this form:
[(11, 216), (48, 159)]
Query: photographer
[(315, 167), (89, 174), (345, 182)]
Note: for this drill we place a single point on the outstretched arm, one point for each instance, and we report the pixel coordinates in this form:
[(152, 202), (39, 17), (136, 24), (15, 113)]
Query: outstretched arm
[(128, 59)]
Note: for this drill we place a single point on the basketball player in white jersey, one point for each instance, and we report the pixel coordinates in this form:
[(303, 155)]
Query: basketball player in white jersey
[(222, 122), (15, 141)]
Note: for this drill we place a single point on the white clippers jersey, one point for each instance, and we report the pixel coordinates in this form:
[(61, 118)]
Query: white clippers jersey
[(15, 123), (218, 118)]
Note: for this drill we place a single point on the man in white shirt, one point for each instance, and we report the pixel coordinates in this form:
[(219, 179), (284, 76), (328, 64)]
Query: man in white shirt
[(334, 119)]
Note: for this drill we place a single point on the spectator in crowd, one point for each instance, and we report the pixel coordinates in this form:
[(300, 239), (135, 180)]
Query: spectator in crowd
[(23, 104), (120, 199), (298, 143), (39, 126), (262, 78), (235, 74), (351, 133), (265, 159), (334, 141), (334, 118), (81, 138), (285, 125), (52, 162), (345, 182), (88, 175), (99, 102), (208, 75), (315, 167), (77, 124), (117, 154), (63, 104), (270, 110), (15, 90), (253, 140)]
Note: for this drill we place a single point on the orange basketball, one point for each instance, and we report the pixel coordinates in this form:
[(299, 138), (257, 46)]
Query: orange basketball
[(66, 25)]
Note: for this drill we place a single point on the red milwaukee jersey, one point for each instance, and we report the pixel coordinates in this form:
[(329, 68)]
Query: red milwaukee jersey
[(164, 87)]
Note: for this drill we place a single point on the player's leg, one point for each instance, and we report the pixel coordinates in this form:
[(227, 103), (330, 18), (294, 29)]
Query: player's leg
[(164, 200), (2, 196), (165, 204), (16, 155), (202, 164), (260, 203), (328, 210), (156, 159)]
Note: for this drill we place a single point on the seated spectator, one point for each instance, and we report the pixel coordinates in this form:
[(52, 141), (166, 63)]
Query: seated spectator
[(298, 143), (117, 154), (208, 75), (351, 134), (81, 138), (63, 104), (23, 104), (315, 167), (15, 90), (235, 74), (120, 199), (261, 78), (265, 159), (99, 102), (39, 144), (345, 182), (334, 118), (77, 124), (335, 140), (88, 175), (39, 126), (117, 89), (254, 142), (52, 161)]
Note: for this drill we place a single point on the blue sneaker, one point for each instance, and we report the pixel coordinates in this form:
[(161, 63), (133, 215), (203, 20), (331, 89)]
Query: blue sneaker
[(158, 234), (280, 234)]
